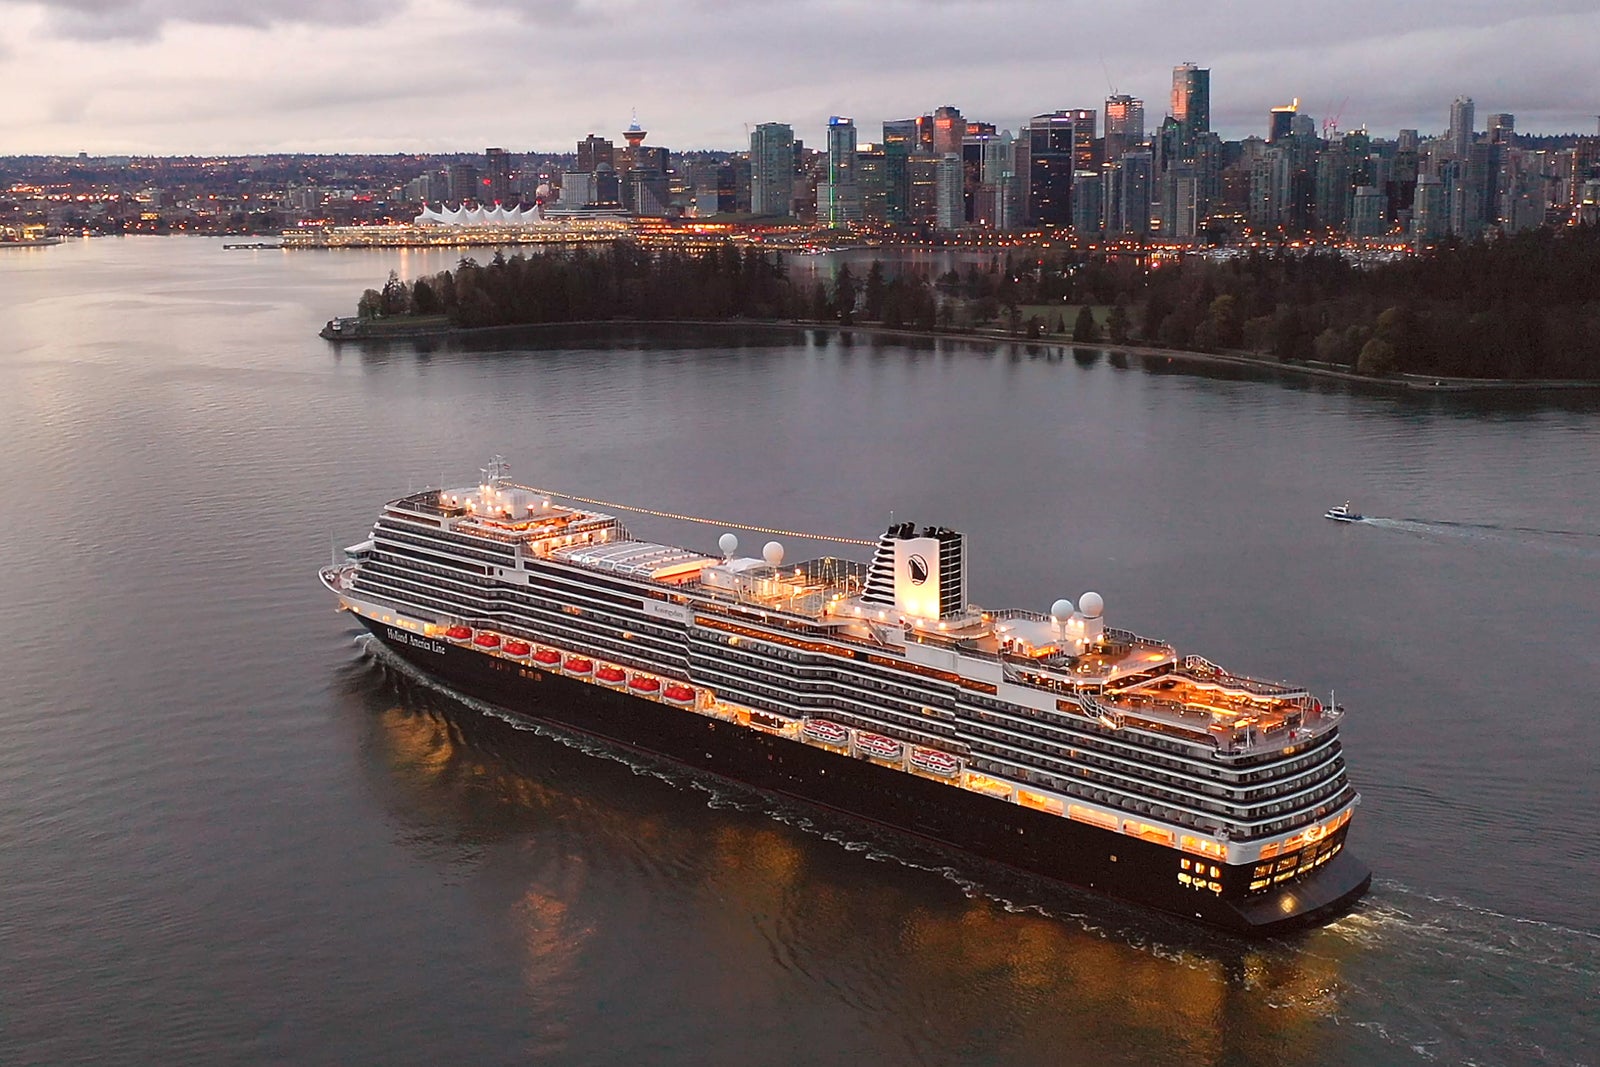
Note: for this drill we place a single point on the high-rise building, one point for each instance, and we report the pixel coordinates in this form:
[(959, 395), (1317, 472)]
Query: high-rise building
[(1087, 203), (901, 133), (1136, 174), (1430, 210), (950, 212), (949, 130), (838, 195), (1052, 139), (1124, 126), (463, 182), (1368, 213), (772, 169), (922, 180), (1191, 101), (1281, 122), (1460, 135), (593, 151), (1502, 127), (497, 176)]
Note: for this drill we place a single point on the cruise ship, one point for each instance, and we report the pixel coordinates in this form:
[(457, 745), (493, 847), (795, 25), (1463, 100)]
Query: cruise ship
[(1046, 741)]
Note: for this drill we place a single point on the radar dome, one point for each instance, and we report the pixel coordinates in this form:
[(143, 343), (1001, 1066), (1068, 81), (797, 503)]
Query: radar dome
[(729, 544), (772, 553), (1061, 610), (1091, 605)]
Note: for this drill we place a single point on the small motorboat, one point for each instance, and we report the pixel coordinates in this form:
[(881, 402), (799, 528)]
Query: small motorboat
[(547, 656), (485, 639), (578, 666), (519, 649), (679, 694), (640, 683), (1342, 513), (459, 634)]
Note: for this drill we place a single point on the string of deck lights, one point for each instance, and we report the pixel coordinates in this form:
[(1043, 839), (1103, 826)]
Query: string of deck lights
[(695, 518)]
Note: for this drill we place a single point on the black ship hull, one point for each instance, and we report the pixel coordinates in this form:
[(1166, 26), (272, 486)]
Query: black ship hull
[(1041, 843)]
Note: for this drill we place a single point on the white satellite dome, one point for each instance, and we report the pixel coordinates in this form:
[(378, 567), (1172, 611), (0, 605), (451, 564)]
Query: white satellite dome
[(1061, 610), (1091, 604), (729, 545), (772, 553)]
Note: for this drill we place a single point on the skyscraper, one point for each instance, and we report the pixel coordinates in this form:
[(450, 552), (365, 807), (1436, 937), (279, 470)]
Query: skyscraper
[(496, 176), (1281, 122), (951, 211), (1124, 126), (593, 151), (1460, 135), (1051, 162), (949, 130), (1191, 101), (772, 169), (838, 196)]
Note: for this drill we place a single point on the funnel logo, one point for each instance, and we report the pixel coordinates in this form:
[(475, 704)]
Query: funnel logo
[(918, 568)]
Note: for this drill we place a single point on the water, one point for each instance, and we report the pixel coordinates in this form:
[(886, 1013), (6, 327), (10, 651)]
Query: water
[(231, 831)]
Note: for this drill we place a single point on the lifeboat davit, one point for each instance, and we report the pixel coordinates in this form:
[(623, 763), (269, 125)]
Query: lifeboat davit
[(487, 640), (610, 675), (578, 666), (459, 634), (679, 694), (641, 684), (519, 649), (548, 656)]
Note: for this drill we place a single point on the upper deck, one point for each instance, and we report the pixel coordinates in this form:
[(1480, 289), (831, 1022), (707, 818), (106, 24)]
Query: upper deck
[(1115, 677)]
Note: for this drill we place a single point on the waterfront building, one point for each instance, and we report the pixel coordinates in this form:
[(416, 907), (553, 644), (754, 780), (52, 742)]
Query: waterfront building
[(950, 210), (838, 195), (1191, 100), (772, 166), (1179, 203), (922, 206), (496, 176)]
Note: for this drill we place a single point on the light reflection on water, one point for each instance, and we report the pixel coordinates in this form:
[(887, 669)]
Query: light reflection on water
[(229, 836)]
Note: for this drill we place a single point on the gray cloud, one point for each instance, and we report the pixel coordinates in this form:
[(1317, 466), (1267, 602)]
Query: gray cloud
[(101, 20), (538, 74)]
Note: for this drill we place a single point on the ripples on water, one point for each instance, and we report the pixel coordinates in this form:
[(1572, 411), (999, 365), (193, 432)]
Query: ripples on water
[(228, 834), (1396, 934)]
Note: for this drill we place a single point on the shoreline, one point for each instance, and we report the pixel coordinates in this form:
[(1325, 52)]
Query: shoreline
[(1414, 383)]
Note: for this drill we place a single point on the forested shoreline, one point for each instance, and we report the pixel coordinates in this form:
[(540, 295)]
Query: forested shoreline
[(1521, 308)]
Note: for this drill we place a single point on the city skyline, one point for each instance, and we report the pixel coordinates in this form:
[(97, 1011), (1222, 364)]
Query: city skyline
[(202, 77)]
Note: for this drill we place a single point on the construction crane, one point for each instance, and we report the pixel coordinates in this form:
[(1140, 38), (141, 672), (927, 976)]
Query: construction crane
[(1330, 126)]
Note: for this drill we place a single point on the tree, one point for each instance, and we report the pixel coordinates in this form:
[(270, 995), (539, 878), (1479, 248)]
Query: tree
[(423, 300), (394, 300), (875, 292), (1117, 323), (844, 294), (370, 304), (1085, 328), (1377, 358)]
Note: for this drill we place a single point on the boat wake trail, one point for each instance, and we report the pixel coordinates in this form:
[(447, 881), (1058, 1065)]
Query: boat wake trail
[(1550, 540), (1500, 989)]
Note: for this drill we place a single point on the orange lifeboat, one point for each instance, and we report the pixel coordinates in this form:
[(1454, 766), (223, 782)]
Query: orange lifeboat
[(519, 649), (610, 676), (578, 666), (548, 656), (679, 694), (459, 634), (487, 640), (641, 684)]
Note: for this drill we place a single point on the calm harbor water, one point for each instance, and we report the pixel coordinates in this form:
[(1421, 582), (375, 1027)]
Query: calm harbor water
[(232, 833)]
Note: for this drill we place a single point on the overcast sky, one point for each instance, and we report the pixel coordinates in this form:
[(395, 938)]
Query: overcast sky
[(235, 76)]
